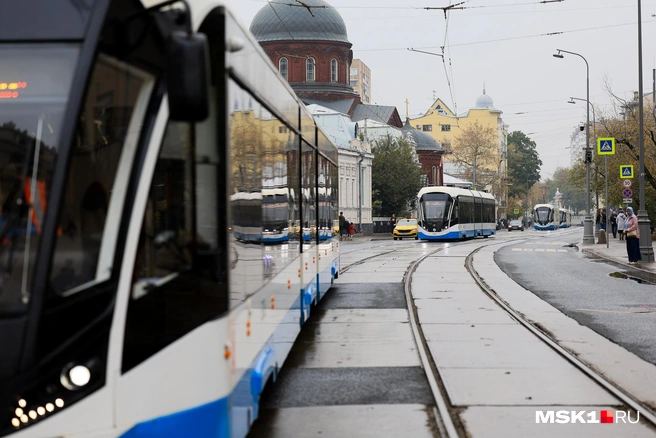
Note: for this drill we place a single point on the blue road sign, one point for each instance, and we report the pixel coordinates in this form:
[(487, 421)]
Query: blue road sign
[(627, 193), (606, 146), (626, 171)]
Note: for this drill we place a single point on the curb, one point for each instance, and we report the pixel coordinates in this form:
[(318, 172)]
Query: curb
[(636, 272)]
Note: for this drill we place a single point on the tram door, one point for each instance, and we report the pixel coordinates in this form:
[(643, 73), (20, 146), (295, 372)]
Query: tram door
[(478, 215)]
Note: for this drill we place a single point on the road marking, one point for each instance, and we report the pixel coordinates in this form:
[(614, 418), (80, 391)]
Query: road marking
[(539, 250), (551, 250), (562, 250), (528, 249)]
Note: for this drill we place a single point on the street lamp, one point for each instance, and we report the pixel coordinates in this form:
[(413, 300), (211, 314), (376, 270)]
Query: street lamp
[(594, 123), (646, 249), (588, 236)]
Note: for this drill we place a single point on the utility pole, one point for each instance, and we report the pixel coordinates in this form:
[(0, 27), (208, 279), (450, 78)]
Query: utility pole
[(646, 248)]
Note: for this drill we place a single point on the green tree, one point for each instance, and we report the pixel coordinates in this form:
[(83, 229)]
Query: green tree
[(523, 163), (396, 176)]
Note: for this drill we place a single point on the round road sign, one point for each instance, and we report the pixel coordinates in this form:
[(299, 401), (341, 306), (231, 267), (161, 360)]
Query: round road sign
[(627, 183), (627, 193)]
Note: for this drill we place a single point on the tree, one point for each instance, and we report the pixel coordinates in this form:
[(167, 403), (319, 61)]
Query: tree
[(523, 163), (570, 181), (621, 121), (396, 175), (476, 149)]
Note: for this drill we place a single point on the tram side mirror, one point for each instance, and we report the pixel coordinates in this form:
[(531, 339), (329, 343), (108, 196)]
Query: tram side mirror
[(188, 77)]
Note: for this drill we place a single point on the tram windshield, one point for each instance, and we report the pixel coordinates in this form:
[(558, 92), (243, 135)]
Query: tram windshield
[(275, 212), (35, 81), (543, 215), (434, 206)]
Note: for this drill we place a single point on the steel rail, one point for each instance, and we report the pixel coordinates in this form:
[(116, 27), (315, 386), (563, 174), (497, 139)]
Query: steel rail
[(644, 410)]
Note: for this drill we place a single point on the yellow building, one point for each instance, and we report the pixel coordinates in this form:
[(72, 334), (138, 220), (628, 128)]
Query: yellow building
[(445, 127)]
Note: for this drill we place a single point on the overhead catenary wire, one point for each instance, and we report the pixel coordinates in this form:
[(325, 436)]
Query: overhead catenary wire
[(509, 38)]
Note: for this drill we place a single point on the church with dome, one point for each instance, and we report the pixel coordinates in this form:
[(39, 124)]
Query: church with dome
[(443, 125), (308, 43)]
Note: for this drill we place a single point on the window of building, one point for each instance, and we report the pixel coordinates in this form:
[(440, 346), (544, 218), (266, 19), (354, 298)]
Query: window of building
[(282, 66), (282, 130), (446, 128), (333, 70), (427, 128), (354, 71), (310, 69)]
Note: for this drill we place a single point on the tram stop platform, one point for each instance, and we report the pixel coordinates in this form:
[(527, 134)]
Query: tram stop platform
[(616, 255)]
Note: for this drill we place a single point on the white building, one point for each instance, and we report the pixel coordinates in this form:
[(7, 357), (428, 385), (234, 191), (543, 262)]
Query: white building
[(576, 145), (355, 164)]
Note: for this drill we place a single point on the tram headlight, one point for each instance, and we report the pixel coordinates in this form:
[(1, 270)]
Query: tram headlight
[(76, 376)]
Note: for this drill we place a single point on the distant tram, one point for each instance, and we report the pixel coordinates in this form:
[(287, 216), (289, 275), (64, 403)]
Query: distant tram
[(450, 213), (548, 217)]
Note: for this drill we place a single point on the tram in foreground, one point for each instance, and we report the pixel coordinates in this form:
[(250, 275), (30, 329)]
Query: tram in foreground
[(127, 306), (451, 213)]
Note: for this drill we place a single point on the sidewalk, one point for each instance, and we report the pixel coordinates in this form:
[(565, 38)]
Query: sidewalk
[(616, 255)]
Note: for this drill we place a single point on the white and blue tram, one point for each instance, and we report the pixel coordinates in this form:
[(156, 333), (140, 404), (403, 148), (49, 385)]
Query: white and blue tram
[(248, 214), (449, 213), (565, 218), (129, 308), (275, 215), (546, 217)]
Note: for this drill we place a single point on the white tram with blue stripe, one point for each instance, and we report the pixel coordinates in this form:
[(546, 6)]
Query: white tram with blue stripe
[(565, 218), (451, 213), (149, 145), (551, 217)]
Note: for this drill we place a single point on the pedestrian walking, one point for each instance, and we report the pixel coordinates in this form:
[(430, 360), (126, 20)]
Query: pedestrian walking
[(613, 224), (342, 224), (632, 237), (393, 222), (621, 224)]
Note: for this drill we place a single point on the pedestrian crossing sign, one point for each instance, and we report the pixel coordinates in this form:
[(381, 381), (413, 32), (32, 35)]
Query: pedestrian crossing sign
[(606, 146), (626, 171)]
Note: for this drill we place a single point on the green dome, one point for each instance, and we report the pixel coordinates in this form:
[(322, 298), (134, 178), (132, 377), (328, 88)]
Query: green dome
[(285, 22)]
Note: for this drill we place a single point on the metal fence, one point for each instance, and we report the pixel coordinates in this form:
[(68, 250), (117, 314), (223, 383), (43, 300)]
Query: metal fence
[(382, 225)]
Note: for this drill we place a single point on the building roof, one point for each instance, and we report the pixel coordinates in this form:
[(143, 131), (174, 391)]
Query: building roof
[(290, 21), (342, 106), (421, 140), (450, 180), (379, 113)]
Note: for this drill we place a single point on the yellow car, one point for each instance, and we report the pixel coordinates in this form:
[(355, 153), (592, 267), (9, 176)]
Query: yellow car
[(406, 228)]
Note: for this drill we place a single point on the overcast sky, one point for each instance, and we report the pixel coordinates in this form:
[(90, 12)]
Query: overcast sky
[(501, 43)]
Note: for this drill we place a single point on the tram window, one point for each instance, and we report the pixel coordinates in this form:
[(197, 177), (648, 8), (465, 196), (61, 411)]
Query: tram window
[(99, 170), (30, 126), (179, 278)]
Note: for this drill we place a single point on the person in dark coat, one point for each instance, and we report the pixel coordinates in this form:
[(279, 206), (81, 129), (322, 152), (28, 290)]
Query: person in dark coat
[(342, 224), (613, 224), (632, 241)]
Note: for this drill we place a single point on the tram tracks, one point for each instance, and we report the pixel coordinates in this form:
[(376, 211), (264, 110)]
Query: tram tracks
[(445, 413), (646, 412)]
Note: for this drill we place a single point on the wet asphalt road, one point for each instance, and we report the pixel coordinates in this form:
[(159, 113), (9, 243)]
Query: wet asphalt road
[(622, 310)]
